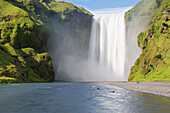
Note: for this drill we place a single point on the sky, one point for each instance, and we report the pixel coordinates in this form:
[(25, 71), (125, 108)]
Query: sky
[(103, 4)]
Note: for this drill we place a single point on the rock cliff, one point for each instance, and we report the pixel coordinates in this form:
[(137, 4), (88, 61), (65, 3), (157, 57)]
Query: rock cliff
[(154, 61), (26, 29)]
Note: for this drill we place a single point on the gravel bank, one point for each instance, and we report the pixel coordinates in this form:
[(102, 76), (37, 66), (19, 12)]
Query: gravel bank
[(156, 88)]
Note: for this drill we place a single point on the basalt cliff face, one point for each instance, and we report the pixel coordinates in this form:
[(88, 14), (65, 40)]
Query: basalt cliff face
[(154, 61), (27, 28)]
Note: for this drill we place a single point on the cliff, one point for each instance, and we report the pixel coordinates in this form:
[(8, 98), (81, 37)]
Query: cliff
[(145, 12), (154, 61), (27, 27)]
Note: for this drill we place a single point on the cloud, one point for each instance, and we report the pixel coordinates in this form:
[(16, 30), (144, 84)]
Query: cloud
[(110, 11)]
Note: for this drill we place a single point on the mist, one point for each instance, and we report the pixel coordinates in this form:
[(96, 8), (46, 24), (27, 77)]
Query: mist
[(70, 59), (69, 49), (138, 23)]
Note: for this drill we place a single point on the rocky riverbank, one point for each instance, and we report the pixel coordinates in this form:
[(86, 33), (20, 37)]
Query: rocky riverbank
[(156, 88)]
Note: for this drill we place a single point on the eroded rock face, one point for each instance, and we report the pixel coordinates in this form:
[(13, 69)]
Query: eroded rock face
[(153, 63), (25, 31), (74, 25)]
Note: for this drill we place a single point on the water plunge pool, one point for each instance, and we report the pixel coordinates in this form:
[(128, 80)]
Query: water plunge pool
[(65, 97)]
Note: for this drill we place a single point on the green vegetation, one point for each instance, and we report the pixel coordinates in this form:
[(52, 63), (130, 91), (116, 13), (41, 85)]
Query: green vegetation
[(154, 62), (24, 66), (64, 8), (7, 80), (146, 12), (25, 28)]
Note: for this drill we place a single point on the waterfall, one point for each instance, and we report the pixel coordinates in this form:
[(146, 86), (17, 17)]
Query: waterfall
[(107, 44)]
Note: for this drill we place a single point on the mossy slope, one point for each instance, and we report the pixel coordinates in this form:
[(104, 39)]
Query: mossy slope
[(145, 12), (154, 62), (24, 65), (25, 28)]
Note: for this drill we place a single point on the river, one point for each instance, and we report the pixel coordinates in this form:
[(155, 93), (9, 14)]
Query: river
[(65, 97)]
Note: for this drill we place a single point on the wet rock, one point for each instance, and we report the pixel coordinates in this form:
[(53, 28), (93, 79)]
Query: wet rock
[(164, 24), (112, 91)]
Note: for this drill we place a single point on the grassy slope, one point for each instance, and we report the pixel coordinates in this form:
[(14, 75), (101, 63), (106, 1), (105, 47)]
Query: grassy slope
[(65, 7), (20, 66), (154, 62), (25, 26), (19, 26), (144, 12)]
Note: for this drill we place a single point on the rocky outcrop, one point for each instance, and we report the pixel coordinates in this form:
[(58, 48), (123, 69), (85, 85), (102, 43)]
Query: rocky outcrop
[(144, 13), (72, 23), (153, 63), (26, 28)]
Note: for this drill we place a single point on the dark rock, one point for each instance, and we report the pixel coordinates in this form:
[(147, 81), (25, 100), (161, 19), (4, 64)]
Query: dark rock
[(145, 70), (161, 30), (150, 33), (16, 57), (166, 18), (168, 10), (112, 91), (164, 24), (143, 47)]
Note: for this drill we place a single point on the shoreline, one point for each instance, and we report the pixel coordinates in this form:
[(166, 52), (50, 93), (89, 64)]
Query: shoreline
[(154, 88)]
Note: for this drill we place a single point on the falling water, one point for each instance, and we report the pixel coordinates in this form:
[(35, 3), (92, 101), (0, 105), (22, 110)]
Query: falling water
[(107, 44)]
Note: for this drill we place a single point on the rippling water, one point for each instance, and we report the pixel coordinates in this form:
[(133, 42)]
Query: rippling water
[(77, 98)]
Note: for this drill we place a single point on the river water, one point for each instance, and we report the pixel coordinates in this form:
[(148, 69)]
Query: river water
[(66, 97)]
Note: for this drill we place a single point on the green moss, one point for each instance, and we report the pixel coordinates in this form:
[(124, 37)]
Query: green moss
[(20, 24), (29, 51), (23, 67), (25, 27), (65, 7), (17, 37), (154, 62), (146, 12), (7, 80)]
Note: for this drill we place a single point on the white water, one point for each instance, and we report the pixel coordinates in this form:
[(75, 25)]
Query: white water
[(107, 44)]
